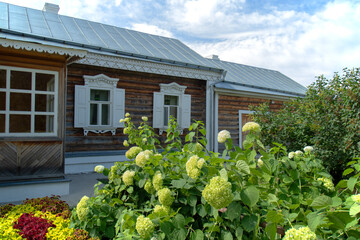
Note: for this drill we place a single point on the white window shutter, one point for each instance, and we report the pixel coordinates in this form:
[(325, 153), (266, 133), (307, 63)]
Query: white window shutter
[(158, 110), (185, 111), (118, 107), (81, 106)]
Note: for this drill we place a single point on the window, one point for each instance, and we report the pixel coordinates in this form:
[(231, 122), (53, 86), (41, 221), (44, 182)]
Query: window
[(28, 102), (171, 101), (244, 117), (99, 105)]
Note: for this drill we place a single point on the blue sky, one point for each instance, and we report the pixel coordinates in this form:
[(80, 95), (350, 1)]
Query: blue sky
[(301, 39)]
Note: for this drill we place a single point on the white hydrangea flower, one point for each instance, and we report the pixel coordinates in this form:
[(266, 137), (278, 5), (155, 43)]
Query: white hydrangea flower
[(99, 168), (144, 226), (223, 136), (82, 209), (218, 192), (128, 177), (308, 149), (298, 153), (260, 162), (165, 197), (291, 155), (327, 183), (133, 152), (144, 118), (125, 143), (127, 114), (356, 198), (157, 181)]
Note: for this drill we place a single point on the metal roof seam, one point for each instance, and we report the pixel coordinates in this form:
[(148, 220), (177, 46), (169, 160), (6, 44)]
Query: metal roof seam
[(121, 35)]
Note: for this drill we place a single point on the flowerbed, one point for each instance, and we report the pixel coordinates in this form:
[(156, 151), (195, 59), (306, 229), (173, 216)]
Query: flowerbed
[(39, 219)]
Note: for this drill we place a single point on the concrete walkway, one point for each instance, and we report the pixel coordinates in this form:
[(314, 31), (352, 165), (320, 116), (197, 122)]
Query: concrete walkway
[(80, 185)]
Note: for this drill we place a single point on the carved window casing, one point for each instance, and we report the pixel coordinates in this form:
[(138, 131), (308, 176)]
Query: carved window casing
[(171, 100), (99, 105)]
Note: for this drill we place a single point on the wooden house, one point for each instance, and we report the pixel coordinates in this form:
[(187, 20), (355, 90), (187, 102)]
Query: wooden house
[(66, 82)]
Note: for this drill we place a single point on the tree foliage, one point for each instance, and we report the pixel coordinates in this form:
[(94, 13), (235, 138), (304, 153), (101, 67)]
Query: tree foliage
[(328, 118)]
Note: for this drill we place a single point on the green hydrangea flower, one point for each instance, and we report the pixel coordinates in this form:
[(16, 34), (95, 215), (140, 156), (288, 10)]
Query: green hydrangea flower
[(218, 193), (133, 152), (327, 183), (303, 233), (126, 143), (82, 209), (143, 157), (251, 126), (356, 198), (193, 166), (200, 163), (149, 187), (161, 210), (128, 177), (165, 197), (157, 181), (144, 226)]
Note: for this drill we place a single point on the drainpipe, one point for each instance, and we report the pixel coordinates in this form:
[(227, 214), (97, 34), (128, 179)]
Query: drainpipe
[(213, 119)]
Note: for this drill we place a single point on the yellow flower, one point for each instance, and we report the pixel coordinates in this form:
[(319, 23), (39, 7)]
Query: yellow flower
[(251, 126), (223, 136)]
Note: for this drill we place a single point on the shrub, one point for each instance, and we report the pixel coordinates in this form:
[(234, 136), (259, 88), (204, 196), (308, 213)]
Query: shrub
[(249, 193), (327, 118)]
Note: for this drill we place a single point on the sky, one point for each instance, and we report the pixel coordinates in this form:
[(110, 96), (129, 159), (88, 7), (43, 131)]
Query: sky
[(302, 39)]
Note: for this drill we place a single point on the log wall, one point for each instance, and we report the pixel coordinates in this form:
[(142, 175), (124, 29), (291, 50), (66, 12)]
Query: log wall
[(228, 112), (139, 89)]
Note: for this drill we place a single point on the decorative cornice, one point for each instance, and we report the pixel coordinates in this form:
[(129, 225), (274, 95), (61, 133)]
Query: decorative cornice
[(100, 80), (172, 88), (42, 48), (147, 66)]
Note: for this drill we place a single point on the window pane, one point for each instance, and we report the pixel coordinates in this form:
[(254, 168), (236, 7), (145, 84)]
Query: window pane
[(20, 80), (20, 123), (171, 100), (166, 116), (44, 123), (44, 103), (2, 78), (20, 101), (93, 114), (173, 112), (2, 123), (2, 101), (45, 82), (99, 95), (105, 114)]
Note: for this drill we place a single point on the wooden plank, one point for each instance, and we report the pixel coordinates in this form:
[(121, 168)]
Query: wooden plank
[(8, 159)]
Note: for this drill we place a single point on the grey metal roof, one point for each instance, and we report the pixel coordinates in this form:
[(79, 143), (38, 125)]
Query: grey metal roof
[(41, 25), (257, 79)]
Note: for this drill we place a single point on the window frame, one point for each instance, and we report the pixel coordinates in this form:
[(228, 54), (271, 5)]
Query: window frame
[(32, 113), (82, 118)]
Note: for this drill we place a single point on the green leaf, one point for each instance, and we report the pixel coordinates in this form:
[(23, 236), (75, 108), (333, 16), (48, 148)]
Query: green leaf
[(178, 183), (354, 209), (314, 220), (336, 201), (339, 220), (166, 227), (271, 229), (201, 210), (250, 196), (249, 223), (223, 174), (274, 216), (228, 236), (348, 171), (197, 235), (239, 232), (243, 167), (179, 221), (351, 183), (272, 198), (192, 200), (234, 210), (321, 202)]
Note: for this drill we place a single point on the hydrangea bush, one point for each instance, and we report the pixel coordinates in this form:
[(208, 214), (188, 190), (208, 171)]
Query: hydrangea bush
[(188, 192)]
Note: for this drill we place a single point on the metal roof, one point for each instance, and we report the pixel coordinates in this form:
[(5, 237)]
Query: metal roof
[(40, 25), (241, 77)]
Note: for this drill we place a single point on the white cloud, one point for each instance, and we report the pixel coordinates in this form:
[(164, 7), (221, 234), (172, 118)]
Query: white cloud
[(306, 47), (151, 29)]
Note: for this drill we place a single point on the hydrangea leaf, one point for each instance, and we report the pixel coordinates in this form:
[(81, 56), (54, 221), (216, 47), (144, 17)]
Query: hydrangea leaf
[(249, 223), (250, 196), (270, 230), (321, 202), (197, 235), (354, 209), (243, 167)]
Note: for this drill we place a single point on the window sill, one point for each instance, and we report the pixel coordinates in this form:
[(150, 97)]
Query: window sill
[(164, 129)]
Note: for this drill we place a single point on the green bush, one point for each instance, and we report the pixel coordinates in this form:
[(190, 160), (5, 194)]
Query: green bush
[(187, 192), (328, 118)]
